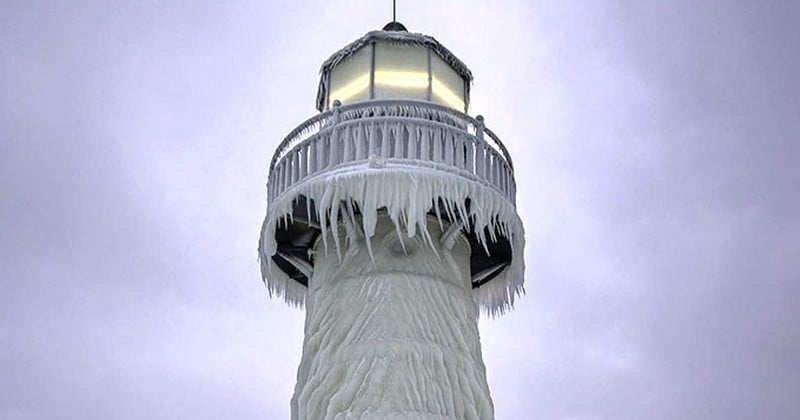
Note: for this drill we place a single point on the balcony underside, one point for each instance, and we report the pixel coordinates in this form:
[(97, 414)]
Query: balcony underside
[(406, 159), (299, 235), (356, 194)]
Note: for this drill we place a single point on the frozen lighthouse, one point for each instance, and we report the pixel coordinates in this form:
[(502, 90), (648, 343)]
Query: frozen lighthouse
[(391, 217)]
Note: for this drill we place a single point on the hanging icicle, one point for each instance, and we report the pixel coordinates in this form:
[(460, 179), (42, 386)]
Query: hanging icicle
[(407, 197)]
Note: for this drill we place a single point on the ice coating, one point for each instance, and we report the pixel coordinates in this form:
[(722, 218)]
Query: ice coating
[(393, 221), (391, 332), (406, 193)]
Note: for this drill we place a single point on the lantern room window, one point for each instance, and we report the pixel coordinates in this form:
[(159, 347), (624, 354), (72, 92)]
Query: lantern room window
[(350, 80), (401, 72)]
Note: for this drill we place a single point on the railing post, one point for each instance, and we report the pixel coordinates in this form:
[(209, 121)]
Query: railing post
[(270, 186), (497, 171), (483, 154), (448, 141), (425, 140), (505, 177), (359, 143), (372, 138), (479, 127), (303, 152), (335, 115), (470, 158), (285, 174), (347, 145), (312, 158), (399, 141), (438, 155), (385, 141), (412, 143), (295, 166), (333, 148)]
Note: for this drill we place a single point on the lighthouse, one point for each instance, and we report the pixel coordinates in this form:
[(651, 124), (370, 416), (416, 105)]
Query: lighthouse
[(391, 218)]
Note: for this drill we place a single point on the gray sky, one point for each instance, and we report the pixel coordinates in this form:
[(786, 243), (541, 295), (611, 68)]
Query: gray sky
[(657, 147)]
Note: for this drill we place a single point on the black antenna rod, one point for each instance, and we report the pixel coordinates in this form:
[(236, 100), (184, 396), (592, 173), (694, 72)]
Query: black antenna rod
[(394, 10)]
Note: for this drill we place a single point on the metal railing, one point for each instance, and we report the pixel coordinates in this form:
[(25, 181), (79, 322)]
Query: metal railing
[(399, 131)]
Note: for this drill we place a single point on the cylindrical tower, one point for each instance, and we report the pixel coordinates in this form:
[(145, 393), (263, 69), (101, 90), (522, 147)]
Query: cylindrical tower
[(391, 217)]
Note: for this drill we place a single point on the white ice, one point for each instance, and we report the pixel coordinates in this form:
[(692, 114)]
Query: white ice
[(406, 194), (391, 332)]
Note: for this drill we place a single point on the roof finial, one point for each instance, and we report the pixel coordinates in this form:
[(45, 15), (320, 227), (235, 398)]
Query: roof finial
[(394, 25)]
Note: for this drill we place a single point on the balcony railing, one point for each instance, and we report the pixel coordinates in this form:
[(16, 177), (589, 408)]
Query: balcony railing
[(405, 132)]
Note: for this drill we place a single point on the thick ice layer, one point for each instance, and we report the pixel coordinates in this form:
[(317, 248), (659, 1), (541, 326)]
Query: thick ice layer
[(392, 335), (407, 193)]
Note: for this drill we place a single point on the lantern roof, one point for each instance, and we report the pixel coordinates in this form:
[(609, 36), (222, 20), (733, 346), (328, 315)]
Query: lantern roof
[(392, 35)]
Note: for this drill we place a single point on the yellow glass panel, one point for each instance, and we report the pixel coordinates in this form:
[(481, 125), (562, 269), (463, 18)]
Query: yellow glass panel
[(444, 95), (358, 87), (447, 85), (401, 79), (401, 71), (349, 80)]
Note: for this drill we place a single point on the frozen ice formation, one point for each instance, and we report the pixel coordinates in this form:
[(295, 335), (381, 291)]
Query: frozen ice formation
[(408, 161), (391, 332), (394, 223)]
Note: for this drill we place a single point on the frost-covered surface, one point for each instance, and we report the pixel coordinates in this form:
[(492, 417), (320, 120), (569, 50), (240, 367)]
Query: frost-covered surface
[(407, 194), (391, 333), (394, 129)]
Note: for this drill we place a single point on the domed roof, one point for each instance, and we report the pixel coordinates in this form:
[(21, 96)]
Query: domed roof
[(395, 26)]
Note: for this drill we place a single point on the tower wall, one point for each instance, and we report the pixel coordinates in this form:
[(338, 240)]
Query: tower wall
[(391, 331)]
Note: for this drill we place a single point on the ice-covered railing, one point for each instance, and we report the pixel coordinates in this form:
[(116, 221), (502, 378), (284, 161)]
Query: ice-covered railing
[(403, 131)]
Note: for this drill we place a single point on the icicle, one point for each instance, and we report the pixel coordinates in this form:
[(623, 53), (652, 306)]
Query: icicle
[(438, 212), (335, 226), (398, 232), (407, 197), (448, 238)]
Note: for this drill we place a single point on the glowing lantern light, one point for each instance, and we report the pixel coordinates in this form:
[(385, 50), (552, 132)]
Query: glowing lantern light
[(395, 64)]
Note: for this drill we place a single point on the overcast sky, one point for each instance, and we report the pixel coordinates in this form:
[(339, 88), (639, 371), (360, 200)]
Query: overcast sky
[(657, 147)]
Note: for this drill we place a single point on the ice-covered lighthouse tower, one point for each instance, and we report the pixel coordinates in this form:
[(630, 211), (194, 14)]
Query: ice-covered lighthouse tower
[(391, 217)]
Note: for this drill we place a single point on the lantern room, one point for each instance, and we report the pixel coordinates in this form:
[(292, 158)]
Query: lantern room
[(394, 64)]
